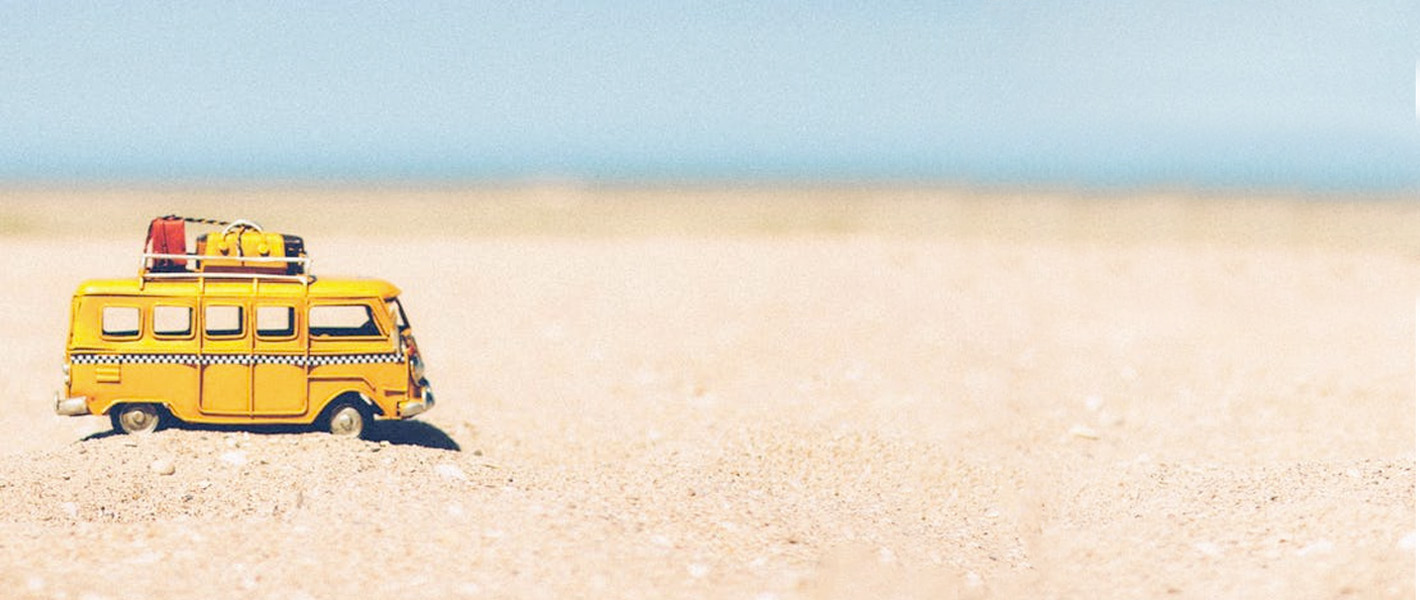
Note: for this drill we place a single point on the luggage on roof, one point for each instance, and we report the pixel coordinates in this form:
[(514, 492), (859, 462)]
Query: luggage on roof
[(241, 247)]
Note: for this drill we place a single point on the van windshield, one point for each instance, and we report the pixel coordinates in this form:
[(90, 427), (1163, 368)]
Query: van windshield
[(397, 313)]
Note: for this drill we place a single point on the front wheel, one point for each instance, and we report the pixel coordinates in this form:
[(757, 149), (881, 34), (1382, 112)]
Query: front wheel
[(135, 418), (346, 421)]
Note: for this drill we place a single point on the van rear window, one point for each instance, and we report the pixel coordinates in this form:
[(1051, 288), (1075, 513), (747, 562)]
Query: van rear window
[(352, 320), (121, 321)]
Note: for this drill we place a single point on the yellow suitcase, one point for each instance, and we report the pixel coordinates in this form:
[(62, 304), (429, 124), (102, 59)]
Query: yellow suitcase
[(237, 244)]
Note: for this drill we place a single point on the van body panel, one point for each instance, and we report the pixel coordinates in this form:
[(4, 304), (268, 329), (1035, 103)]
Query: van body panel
[(260, 371), (226, 389), (278, 389), (279, 347)]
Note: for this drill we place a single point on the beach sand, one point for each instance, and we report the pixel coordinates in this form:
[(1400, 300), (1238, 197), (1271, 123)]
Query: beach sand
[(764, 393)]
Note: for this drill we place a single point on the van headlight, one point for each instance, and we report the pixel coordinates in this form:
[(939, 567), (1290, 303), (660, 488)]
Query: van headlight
[(65, 368), (416, 367)]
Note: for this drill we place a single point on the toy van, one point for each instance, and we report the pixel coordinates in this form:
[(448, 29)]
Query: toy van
[(239, 332)]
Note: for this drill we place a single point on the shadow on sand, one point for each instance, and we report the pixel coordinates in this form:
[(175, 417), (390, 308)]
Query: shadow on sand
[(398, 433), (411, 433)]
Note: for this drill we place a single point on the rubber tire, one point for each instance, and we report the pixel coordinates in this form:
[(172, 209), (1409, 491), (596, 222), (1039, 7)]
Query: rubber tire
[(138, 419), (347, 420)]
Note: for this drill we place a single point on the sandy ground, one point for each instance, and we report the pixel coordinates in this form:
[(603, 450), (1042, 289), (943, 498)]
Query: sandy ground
[(917, 396)]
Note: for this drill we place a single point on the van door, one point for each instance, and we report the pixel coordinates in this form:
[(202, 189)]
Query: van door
[(352, 348), (226, 354), (177, 378), (278, 359)]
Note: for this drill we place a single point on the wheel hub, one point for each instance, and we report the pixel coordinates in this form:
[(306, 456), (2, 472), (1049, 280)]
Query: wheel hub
[(346, 421), (138, 419)]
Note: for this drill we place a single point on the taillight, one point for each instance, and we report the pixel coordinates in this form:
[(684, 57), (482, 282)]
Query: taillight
[(416, 362)]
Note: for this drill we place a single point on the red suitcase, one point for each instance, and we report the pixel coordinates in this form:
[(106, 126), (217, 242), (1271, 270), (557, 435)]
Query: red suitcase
[(166, 235)]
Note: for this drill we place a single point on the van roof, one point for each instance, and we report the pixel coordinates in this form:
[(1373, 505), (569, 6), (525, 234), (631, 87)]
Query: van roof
[(323, 287)]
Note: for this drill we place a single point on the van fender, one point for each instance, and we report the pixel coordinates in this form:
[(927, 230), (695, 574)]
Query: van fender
[(103, 408), (357, 397)]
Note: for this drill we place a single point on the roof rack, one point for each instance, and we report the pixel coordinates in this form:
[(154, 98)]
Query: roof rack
[(146, 272)]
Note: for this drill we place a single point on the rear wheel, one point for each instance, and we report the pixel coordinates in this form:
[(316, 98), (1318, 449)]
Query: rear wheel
[(135, 418), (346, 420)]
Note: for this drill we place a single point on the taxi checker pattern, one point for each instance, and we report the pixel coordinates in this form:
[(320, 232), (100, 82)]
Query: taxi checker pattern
[(239, 359)]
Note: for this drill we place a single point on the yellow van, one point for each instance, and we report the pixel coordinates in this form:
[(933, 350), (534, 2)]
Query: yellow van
[(205, 340)]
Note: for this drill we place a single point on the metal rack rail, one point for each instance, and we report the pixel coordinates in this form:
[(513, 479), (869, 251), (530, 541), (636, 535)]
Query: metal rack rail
[(197, 273)]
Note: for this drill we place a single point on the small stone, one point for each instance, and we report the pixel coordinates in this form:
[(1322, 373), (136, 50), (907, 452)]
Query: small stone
[(1094, 403), (1083, 432), (130, 441), (146, 558), (235, 458), (1208, 549), (1322, 546), (973, 580), (384, 443), (450, 471), (163, 466), (886, 556)]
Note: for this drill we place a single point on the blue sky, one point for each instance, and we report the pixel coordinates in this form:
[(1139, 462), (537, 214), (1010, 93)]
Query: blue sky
[(1260, 94)]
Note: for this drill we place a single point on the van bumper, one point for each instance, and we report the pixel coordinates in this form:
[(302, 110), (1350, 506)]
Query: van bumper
[(414, 407), (71, 407)]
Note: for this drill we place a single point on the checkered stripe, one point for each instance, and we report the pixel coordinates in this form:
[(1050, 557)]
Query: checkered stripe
[(314, 360), (353, 359), (119, 359)]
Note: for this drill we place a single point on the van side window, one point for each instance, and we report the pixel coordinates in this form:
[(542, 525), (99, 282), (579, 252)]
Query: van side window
[(121, 321), (275, 321), (343, 321), (223, 319), (172, 321)]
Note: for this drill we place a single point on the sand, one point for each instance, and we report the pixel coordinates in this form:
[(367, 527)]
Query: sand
[(742, 394)]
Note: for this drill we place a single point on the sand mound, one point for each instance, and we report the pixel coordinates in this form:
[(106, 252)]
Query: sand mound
[(176, 474), (1092, 412)]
